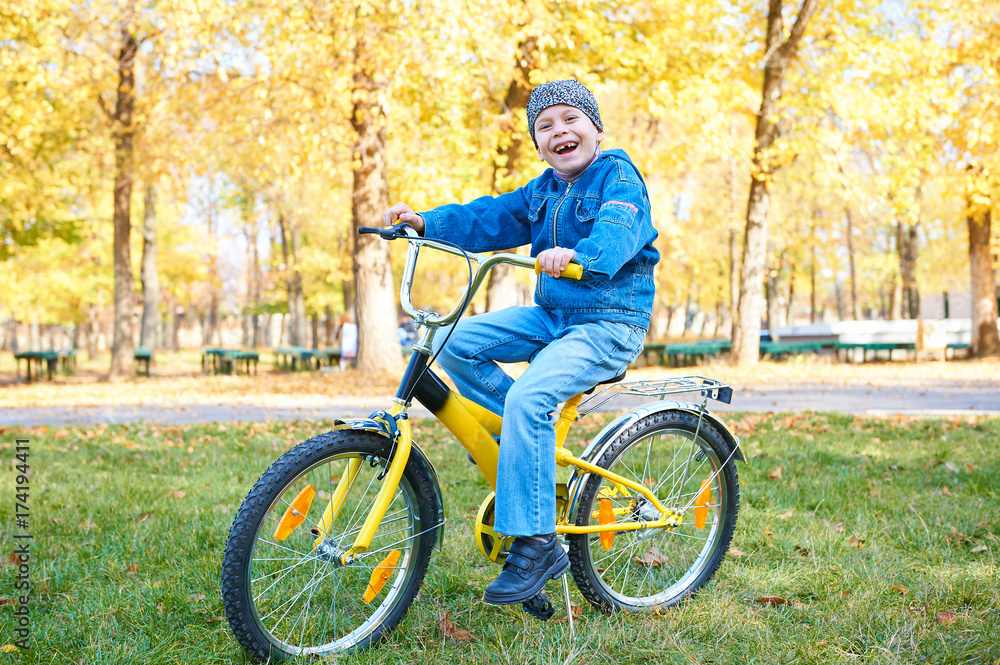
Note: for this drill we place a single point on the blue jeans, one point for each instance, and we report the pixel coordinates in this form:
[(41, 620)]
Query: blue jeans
[(566, 358)]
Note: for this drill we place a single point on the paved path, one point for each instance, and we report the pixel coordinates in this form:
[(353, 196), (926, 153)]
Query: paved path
[(940, 398)]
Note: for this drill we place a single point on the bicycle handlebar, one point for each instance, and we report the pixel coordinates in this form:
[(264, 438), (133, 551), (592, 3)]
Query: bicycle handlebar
[(486, 263)]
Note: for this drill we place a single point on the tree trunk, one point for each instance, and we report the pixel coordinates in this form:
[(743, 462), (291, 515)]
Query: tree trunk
[(812, 279), (150, 278), (299, 316), (773, 306), (328, 325), (501, 289), (855, 303), (746, 344), (291, 240), (985, 340), (906, 244), (378, 346), (734, 275), (122, 346), (790, 309)]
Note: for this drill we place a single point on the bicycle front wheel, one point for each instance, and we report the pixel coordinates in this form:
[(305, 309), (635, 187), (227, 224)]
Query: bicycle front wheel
[(285, 590), (657, 567)]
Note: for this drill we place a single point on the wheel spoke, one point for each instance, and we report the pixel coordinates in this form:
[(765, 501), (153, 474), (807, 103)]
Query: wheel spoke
[(657, 566)]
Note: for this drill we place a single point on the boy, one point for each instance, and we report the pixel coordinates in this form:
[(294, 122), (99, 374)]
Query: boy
[(590, 207)]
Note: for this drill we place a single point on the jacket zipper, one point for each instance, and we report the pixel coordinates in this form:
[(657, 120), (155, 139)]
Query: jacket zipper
[(555, 221)]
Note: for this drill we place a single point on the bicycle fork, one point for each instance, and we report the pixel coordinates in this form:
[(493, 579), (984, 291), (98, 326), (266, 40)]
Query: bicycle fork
[(403, 441)]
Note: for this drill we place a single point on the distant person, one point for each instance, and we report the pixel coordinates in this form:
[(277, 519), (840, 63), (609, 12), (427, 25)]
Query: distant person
[(348, 342)]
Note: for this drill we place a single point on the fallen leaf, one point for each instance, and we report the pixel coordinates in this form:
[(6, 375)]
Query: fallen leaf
[(946, 618), (212, 620), (652, 558), (734, 551), (796, 605), (452, 632), (980, 548), (8, 648), (775, 474), (13, 559), (856, 542), (900, 588), (801, 550), (4, 600), (197, 596), (179, 494), (134, 568), (159, 609), (785, 516), (951, 467), (577, 611), (821, 643), (87, 525), (771, 600)]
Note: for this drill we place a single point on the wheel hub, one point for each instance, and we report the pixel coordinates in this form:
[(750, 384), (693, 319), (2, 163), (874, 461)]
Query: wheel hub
[(330, 552)]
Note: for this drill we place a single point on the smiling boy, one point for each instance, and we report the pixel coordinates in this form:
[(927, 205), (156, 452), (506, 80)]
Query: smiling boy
[(590, 207)]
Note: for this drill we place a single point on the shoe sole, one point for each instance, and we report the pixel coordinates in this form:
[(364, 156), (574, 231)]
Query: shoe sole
[(533, 591)]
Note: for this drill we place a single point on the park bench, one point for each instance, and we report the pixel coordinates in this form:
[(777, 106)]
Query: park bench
[(874, 347), (777, 349), (683, 353), (300, 357), (228, 361), (143, 356), (50, 359)]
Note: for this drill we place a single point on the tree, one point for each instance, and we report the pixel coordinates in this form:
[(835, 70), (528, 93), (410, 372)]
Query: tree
[(149, 275), (985, 339), (779, 54)]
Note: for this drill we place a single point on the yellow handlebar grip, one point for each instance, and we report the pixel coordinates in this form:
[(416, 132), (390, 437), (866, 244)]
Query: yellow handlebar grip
[(573, 270)]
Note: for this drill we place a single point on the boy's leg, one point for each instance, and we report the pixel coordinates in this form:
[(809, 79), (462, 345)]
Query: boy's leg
[(580, 357), (511, 335)]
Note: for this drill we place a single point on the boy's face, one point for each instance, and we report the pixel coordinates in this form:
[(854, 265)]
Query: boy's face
[(567, 138)]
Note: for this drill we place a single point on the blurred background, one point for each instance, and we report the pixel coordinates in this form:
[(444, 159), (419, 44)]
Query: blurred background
[(189, 175)]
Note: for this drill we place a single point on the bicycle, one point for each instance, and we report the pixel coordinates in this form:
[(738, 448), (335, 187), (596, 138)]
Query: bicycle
[(647, 514)]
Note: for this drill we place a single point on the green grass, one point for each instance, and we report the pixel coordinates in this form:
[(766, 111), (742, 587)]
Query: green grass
[(130, 523)]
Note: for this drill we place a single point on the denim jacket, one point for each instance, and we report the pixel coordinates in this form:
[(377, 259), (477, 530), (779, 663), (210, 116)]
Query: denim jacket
[(603, 216)]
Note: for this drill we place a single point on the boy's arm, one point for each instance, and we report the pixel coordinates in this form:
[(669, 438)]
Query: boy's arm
[(486, 224), (622, 227)]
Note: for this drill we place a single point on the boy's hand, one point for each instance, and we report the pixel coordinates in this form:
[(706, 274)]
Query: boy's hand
[(402, 213), (554, 261)]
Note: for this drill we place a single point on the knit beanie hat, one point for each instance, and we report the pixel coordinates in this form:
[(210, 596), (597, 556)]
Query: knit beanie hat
[(569, 92)]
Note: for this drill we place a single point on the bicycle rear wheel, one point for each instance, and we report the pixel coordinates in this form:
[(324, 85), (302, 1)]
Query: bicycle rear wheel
[(285, 595), (642, 569)]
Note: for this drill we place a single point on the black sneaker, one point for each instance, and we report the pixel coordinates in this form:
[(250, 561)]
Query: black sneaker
[(530, 564)]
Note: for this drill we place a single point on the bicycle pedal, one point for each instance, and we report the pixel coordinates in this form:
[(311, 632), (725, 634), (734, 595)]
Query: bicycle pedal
[(539, 606)]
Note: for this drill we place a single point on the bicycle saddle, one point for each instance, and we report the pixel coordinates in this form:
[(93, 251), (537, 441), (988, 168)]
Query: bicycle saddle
[(614, 379)]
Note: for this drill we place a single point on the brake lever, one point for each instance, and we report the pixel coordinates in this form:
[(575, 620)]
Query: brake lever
[(387, 233)]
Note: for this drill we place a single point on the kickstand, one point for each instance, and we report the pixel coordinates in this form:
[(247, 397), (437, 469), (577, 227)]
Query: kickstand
[(569, 608)]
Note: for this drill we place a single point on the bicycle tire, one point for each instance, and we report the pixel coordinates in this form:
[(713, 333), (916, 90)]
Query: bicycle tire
[(650, 568), (287, 599)]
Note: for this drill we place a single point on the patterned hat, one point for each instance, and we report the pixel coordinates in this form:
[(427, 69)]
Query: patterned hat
[(569, 92)]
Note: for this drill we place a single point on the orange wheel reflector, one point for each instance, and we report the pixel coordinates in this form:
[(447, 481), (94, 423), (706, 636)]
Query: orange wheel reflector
[(380, 575), (296, 513), (607, 516), (701, 504)]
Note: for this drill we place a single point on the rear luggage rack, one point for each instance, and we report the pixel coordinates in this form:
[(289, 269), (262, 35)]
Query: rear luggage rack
[(658, 388)]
